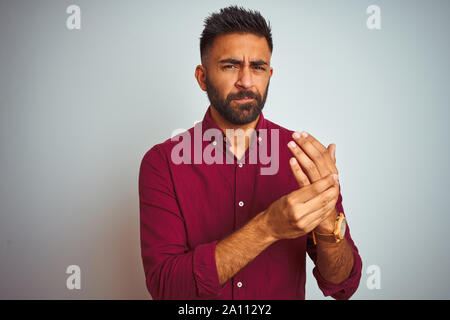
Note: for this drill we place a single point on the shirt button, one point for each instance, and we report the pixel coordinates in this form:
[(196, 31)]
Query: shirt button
[(240, 165), (241, 203), (259, 139), (214, 143), (239, 284)]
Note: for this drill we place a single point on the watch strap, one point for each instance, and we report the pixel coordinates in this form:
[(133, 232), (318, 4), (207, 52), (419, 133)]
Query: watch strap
[(329, 237), (324, 237)]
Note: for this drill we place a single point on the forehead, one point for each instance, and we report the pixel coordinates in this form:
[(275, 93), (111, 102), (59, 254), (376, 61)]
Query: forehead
[(245, 46)]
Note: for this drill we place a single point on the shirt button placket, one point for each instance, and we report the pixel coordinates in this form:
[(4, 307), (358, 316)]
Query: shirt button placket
[(238, 292), (240, 203), (240, 194)]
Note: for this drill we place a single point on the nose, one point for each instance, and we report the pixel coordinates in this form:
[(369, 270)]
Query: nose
[(245, 80)]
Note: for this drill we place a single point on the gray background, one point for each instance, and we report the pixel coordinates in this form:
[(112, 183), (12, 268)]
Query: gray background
[(80, 108)]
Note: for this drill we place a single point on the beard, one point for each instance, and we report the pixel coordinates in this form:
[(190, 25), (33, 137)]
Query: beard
[(239, 113)]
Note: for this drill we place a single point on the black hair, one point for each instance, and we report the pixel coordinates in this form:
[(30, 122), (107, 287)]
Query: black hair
[(233, 19)]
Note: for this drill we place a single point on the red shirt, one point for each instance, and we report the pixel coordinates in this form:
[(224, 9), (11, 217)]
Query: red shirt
[(185, 209)]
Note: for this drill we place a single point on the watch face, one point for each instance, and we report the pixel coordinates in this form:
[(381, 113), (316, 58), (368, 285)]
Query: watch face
[(343, 227)]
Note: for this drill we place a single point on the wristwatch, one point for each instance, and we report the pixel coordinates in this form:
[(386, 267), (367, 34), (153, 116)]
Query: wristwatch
[(338, 233)]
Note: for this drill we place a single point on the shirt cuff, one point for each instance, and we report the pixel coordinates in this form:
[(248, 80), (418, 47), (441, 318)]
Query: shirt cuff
[(205, 270), (346, 288)]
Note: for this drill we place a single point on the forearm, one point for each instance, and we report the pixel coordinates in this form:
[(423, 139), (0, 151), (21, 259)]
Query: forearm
[(334, 260), (239, 248)]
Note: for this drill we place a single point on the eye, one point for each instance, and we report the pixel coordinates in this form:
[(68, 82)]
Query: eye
[(259, 68), (229, 66)]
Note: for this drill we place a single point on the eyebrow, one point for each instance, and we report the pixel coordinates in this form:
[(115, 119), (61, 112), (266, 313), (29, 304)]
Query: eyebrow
[(239, 62)]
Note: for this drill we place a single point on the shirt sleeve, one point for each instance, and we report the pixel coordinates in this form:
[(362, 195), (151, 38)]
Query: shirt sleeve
[(347, 288), (172, 269)]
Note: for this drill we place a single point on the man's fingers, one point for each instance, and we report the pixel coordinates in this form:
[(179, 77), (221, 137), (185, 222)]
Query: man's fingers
[(299, 175), (305, 162), (316, 217), (320, 147), (329, 159), (317, 152), (310, 191), (321, 200), (332, 151)]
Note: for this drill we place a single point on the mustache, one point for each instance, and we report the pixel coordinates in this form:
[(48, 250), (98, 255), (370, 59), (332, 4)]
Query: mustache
[(243, 94)]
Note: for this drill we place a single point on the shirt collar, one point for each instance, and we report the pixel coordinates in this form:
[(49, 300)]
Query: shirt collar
[(209, 123)]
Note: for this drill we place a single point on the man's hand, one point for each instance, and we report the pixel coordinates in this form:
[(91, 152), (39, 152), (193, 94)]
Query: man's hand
[(313, 162), (292, 216), (334, 260), (302, 210)]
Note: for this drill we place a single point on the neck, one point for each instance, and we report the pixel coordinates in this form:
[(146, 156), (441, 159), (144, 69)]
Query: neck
[(240, 140)]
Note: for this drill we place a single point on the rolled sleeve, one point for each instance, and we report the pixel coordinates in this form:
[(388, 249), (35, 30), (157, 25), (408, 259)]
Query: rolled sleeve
[(345, 289), (348, 287), (205, 270), (172, 269)]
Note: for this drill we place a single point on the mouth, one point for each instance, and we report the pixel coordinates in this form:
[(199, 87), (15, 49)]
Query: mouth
[(244, 99)]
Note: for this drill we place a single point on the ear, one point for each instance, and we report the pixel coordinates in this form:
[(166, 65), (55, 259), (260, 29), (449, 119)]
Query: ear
[(200, 75)]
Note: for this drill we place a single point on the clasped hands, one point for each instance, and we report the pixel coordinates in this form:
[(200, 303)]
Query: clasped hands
[(312, 206)]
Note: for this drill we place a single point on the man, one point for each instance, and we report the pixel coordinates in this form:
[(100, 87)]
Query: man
[(223, 229)]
